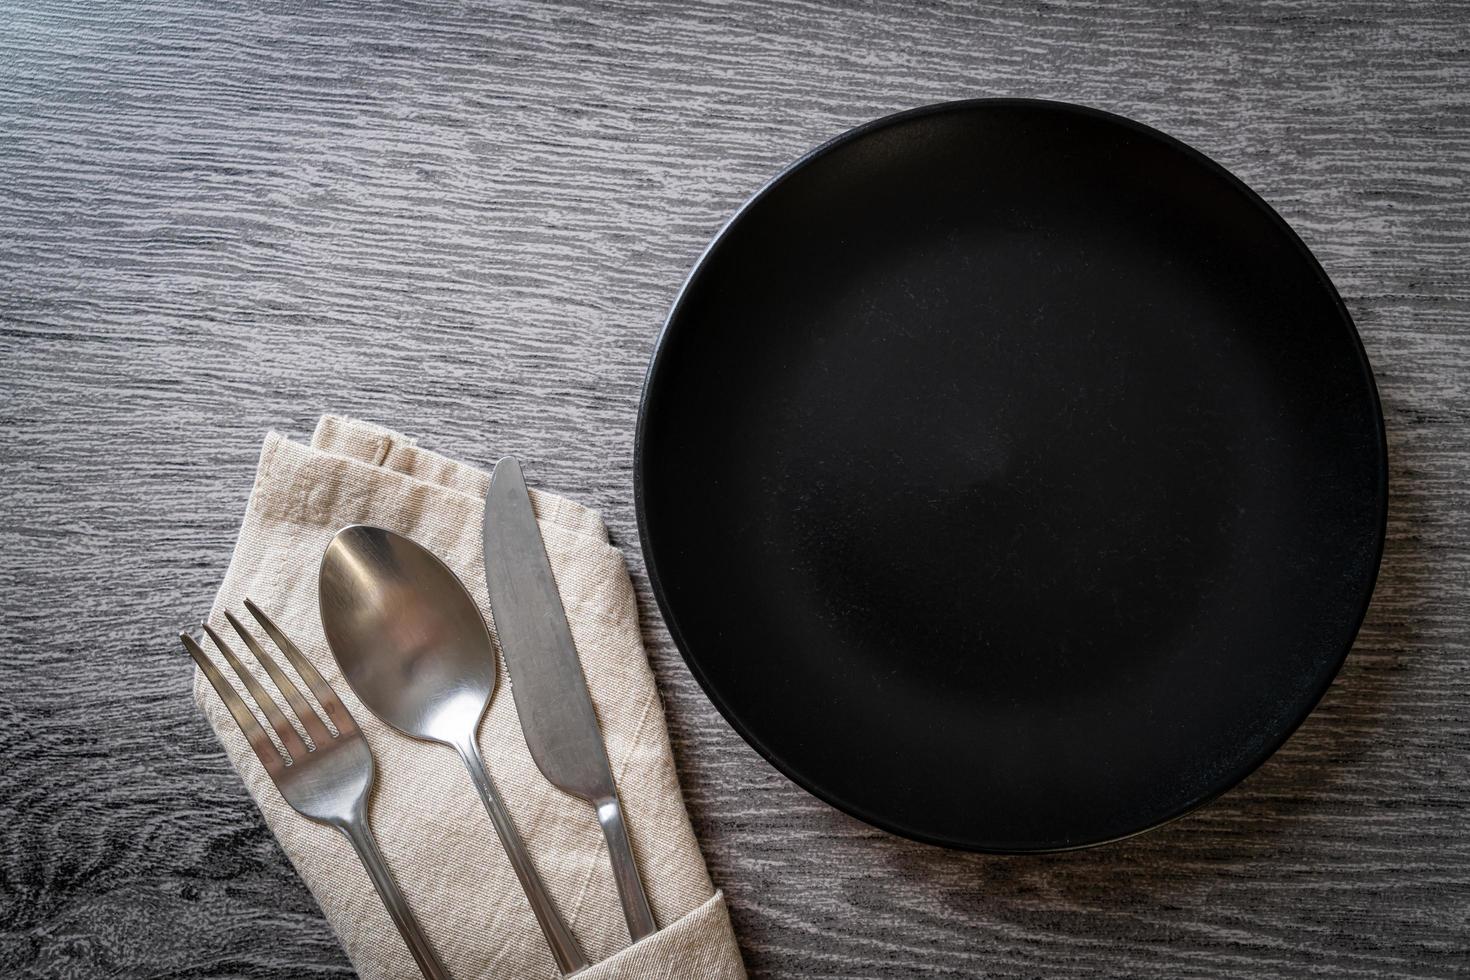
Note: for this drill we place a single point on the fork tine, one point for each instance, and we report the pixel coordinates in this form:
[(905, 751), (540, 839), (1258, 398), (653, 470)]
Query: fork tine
[(295, 747), (265, 749), (325, 696), (299, 704)]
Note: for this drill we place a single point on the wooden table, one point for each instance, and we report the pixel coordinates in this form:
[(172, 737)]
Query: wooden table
[(467, 222)]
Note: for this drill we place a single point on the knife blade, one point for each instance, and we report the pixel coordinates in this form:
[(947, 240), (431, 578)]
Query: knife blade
[(546, 679)]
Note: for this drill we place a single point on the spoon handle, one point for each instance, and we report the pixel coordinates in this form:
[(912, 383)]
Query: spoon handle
[(564, 949)]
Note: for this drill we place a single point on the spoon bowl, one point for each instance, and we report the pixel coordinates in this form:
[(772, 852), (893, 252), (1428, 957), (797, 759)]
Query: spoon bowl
[(408, 637)]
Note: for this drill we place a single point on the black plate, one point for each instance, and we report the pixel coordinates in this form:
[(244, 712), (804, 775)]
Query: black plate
[(1011, 476)]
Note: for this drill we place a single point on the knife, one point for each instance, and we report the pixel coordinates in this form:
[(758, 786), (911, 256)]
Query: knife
[(546, 680)]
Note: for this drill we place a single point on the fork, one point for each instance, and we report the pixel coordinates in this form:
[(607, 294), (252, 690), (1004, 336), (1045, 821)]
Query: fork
[(327, 781)]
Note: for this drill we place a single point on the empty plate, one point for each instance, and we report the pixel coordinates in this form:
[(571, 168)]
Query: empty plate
[(1011, 476)]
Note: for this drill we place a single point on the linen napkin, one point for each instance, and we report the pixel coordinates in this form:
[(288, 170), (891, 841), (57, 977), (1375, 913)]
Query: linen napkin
[(430, 823)]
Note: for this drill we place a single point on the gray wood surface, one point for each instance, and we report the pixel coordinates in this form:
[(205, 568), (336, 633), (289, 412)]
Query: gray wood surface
[(467, 221)]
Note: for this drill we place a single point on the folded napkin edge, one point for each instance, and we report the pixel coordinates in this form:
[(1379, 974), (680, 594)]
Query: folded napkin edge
[(700, 945), (380, 446), (310, 498)]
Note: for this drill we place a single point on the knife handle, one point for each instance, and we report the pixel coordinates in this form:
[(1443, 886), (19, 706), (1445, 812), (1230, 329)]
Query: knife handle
[(625, 869)]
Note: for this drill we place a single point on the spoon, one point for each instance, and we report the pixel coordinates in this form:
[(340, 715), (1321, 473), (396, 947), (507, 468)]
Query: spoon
[(415, 650)]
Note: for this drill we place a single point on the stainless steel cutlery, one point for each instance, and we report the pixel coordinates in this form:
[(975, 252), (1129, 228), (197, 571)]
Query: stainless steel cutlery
[(415, 650), (546, 677), (328, 780), (413, 646)]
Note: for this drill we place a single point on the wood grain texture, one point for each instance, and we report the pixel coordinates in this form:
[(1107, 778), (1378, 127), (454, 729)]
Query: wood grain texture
[(467, 221)]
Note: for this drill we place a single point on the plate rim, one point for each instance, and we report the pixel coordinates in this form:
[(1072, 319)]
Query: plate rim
[(1237, 775)]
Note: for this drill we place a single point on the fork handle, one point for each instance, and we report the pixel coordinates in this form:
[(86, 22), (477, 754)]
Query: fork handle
[(361, 836)]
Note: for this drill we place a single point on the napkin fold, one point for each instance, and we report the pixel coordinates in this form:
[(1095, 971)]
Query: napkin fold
[(430, 823)]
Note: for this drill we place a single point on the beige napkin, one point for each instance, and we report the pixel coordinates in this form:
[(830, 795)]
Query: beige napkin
[(429, 821)]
